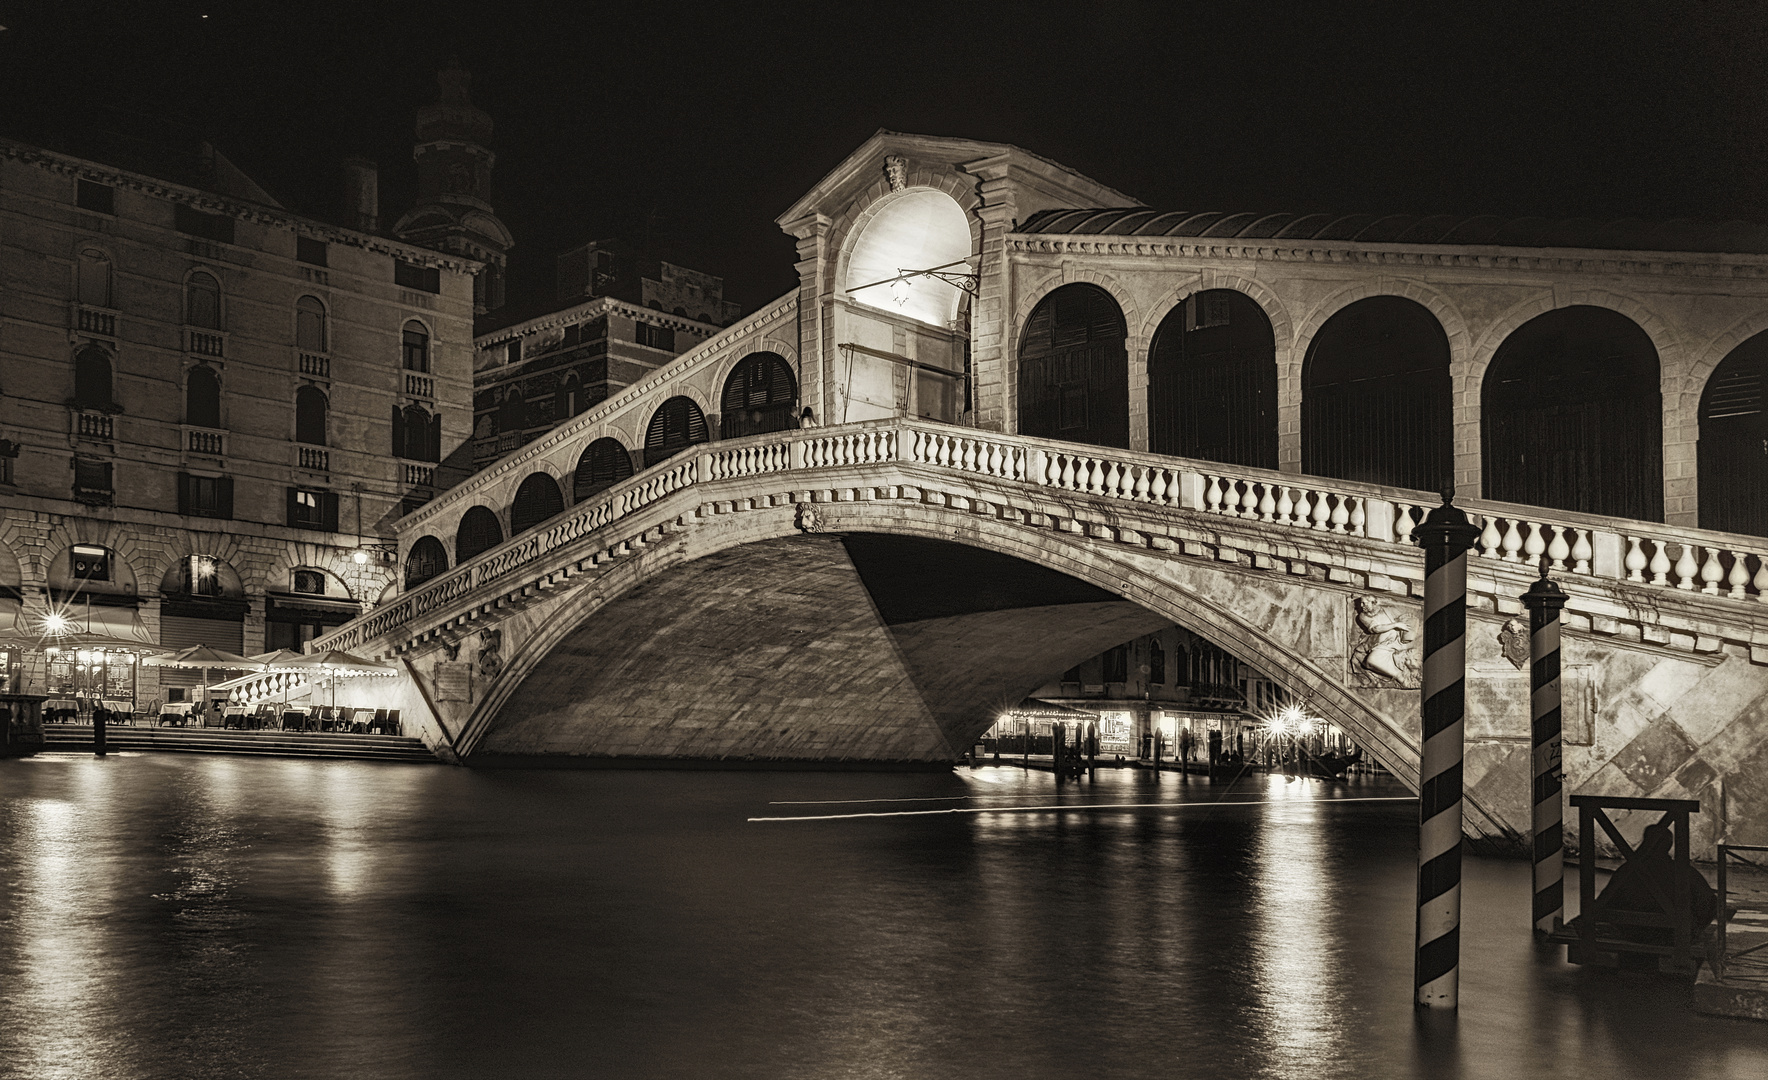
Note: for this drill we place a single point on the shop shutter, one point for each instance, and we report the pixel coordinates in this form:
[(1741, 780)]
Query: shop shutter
[(328, 507), (224, 497), (182, 631), (184, 493)]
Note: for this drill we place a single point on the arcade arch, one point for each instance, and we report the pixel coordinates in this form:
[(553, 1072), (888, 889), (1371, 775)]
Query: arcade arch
[(759, 396), (537, 499), (479, 532), (676, 425), (603, 464), (1212, 381), (912, 230), (1733, 449), (426, 560), (1571, 416), (1074, 368), (1377, 399)]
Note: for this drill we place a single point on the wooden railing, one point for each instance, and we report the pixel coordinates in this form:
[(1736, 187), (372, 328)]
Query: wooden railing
[(1718, 565)]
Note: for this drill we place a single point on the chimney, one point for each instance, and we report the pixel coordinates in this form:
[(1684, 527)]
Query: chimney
[(362, 200)]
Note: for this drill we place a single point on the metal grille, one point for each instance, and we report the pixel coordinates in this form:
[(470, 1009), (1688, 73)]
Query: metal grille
[(759, 397), (1212, 390), (1074, 369)]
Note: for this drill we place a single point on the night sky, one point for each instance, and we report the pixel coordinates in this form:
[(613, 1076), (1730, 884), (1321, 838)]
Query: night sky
[(695, 126)]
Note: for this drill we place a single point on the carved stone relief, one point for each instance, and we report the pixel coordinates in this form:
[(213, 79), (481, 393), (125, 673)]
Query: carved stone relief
[(1384, 646)]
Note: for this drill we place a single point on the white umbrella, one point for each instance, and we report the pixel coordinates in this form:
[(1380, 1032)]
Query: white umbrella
[(204, 657), (332, 665)]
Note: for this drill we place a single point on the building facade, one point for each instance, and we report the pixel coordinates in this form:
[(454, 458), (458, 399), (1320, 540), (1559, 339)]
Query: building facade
[(211, 409)]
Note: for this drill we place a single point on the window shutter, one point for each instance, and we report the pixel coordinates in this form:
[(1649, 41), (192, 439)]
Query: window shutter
[(435, 441), (328, 506), (224, 498), (398, 431), (294, 509), (184, 493)]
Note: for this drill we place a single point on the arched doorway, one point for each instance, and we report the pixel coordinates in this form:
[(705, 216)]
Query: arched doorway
[(1212, 381), (604, 463), (1571, 416), (427, 560), (479, 532), (760, 396), (1376, 400), (676, 425), (536, 500), (1733, 455), (1074, 377)]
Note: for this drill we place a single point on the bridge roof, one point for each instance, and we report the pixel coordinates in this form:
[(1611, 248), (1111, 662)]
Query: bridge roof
[(1616, 234)]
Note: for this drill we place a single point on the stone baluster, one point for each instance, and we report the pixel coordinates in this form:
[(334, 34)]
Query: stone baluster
[(1304, 510), (1144, 484), (1249, 500), (1558, 549), (1212, 499), (1686, 568), (1660, 563), (1761, 579), (1267, 504), (1512, 541), (1285, 505), (1341, 515), (1711, 572), (1490, 539), (1740, 575), (1359, 518), (1066, 479), (1322, 511), (1636, 560), (1536, 544), (1158, 489), (1111, 479), (1582, 550)]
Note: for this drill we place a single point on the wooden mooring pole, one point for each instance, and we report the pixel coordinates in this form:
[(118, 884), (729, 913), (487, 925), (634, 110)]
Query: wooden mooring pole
[(1445, 536), (1545, 600)]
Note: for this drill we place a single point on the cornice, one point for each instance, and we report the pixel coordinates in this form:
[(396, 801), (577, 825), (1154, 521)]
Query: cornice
[(598, 306), (1544, 260), (211, 203), (706, 352)]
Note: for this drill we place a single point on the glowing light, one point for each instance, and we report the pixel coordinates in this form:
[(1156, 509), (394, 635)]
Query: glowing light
[(56, 623), (359, 556)]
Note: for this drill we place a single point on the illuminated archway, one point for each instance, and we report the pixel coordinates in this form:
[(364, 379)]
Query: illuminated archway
[(919, 229)]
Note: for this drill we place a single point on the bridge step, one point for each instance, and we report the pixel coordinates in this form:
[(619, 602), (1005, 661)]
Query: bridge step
[(311, 744)]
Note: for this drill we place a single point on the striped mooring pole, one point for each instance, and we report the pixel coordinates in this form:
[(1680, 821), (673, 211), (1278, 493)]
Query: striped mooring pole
[(1544, 600), (1446, 535)]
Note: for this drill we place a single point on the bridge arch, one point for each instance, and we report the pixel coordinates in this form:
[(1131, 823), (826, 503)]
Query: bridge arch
[(1212, 381), (603, 463), (1246, 618), (675, 425), (538, 497), (478, 531), (880, 202), (427, 559), (759, 395), (1073, 368)]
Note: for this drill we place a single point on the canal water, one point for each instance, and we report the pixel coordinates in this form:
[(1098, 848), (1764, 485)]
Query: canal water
[(195, 917)]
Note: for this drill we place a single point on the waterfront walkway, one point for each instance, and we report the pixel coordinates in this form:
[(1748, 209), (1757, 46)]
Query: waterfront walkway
[(305, 744)]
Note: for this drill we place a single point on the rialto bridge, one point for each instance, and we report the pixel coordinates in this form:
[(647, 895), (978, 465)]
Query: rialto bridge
[(1016, 430)]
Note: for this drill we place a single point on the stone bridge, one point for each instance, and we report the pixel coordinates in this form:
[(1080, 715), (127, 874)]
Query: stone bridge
[(875, 593)]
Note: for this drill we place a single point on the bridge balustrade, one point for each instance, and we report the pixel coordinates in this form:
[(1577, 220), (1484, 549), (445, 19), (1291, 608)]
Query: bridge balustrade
[(1722, 566)]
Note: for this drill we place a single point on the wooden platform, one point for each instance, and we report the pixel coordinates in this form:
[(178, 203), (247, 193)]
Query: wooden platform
[(308, 744)]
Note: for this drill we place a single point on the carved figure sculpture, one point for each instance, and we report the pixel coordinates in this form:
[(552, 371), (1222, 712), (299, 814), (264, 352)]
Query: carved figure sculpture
[(807, 519), (896, 171), (1384, 651), (1513, 638), (490, 652)]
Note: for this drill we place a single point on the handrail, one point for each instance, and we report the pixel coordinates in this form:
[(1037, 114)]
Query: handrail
[(1717, 564)]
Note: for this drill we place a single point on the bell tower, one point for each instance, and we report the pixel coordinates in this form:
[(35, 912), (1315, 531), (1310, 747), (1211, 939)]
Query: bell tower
[(453, 211)]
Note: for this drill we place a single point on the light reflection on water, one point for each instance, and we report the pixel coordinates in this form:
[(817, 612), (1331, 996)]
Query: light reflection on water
[(187, 916)]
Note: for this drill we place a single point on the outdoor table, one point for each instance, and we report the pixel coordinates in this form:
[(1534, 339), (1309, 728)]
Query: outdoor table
[(61, 710), (175, 713)]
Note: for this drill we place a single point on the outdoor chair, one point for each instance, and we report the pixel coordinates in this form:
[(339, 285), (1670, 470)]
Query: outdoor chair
[(378, 725), (322, 718), (293, 719), (393, 725)]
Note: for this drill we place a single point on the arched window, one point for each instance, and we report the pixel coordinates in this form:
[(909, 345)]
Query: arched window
[(202, 397), (1212, 381), (1571, 416), (95, 278), (92, 378), (417, 436), (536, 500), (309, 324), (479, 532), (603, 464), (310, 407), (202, 301), (415, 346), (1733, 454), (760, 396), (1074, 380), (427, 560), (1376, 401), (676, 425)]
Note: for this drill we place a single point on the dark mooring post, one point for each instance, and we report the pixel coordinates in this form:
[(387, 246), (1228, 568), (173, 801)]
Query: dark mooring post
[(1092, 751), (1545, 600), (98, 719), (1445, 536), (1058, 744)]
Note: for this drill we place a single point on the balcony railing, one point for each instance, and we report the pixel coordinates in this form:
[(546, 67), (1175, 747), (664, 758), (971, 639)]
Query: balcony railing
[(313, 457), (89, 320), (93, 425), (317, 365), (206, 442), (420, 474), (204, 342), (420, 385)]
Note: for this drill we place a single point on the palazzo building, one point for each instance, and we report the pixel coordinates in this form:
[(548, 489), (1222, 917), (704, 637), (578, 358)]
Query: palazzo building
[(212, 407)]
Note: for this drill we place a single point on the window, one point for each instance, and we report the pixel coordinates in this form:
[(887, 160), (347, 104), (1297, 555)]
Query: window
[(512, 352), (92, 481), (311, 582), (310, 251), (1117, 664), (537, 499), (657, 337), (199, 575), (310, 416), (677, 424), (309, 324), (478, 532), (417, 436), (512, 414), (1074, 408), (427, 559), (95, 278), (415, 347), (1156, 664), (202, 397), (570, 399), (205, 496), (92, 378), (208, 226), (603, 465), (202, 301), (411, 276), (96, 197), (91, 563), (312, 509)]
